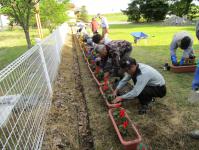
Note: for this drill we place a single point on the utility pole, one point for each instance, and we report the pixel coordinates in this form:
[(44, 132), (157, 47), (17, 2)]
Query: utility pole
[(37, 16)]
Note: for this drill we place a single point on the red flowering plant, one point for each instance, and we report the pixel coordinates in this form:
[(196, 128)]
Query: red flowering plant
[(100, 75), (108, 90), (121, 120)]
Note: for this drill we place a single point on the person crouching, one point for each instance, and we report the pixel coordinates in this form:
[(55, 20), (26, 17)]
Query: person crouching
[(148, 83)]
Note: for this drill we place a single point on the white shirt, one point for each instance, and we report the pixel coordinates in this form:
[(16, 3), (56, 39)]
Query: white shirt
[(104, 23)]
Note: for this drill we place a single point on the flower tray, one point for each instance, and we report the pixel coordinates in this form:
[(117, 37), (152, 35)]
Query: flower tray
[(183, 69), (136, 138), (106, 100), (94, 77)]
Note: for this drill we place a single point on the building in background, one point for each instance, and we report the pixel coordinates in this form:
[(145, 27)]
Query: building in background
[(4, 21)]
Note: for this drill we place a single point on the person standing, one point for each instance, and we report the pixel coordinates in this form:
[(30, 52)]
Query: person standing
[(104, 25), (195, 85), (94, 26)]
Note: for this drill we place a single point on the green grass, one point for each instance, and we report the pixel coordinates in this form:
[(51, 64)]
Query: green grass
[(13, 44), (113, 17), (155, 51), (172, 116)]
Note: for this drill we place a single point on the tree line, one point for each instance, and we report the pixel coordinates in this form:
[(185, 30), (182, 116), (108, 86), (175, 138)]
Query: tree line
[(156, 10)]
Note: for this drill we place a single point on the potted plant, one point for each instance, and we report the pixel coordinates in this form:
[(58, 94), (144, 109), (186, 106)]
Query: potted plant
[(108, 97), (183, 69), (125, 129)]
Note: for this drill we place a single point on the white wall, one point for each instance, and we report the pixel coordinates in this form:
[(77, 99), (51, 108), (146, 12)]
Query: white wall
[(3, 21)]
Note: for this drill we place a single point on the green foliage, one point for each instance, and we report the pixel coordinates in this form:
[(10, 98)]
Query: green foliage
[(53, 13), (13, 44), (151, 10), (193, 12), (180, 7), (21, 11), (83, 14), (133, 11), (154, 10), (100, 76), (110, 97)]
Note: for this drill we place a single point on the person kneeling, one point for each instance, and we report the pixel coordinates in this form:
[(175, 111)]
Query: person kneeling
[(148, 83)]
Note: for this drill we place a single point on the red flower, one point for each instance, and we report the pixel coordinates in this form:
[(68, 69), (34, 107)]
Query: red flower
[(122, 113), (105, 87), (117, 105), (125, 123), (92, 62), (106, 79), (97, 69)]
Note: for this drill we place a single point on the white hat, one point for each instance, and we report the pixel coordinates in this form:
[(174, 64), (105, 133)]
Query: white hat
[(99, 47)]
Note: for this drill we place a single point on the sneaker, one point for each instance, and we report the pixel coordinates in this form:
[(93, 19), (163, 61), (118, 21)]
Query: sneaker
[(194, 134), (143, 109)]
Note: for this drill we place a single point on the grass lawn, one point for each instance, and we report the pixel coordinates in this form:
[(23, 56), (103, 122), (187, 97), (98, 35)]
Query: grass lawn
[(13, 44), (113, 17), (173, 116)]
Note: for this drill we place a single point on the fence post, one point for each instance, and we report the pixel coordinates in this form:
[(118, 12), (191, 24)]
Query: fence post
[(38, 41), (57, 48)]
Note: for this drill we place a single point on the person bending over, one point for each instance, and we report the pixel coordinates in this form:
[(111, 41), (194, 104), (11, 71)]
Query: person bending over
[(148, 83), (184, 41)]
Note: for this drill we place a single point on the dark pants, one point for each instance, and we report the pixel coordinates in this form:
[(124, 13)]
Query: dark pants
[(149, 92), (197, 34)]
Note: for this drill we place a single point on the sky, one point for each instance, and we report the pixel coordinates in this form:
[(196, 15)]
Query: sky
[(102, 6), (105, 6)]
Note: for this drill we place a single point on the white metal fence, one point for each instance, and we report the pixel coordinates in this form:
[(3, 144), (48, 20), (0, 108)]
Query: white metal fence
[(26, 92)]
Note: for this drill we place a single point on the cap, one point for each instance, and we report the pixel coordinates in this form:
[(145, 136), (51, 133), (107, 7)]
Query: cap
[(99, 47), (127, 62)]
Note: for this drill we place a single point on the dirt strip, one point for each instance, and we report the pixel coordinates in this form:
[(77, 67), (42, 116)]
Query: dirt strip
[(104, 136)]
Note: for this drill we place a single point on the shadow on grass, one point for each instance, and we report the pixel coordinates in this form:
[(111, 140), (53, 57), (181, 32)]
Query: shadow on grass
[(9, 54)]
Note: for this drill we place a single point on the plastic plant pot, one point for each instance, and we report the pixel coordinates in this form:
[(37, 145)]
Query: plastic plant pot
[(107, 102), (130, 144), (94, 77), (183, 69)]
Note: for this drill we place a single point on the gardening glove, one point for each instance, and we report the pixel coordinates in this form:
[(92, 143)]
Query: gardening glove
[(117, 100), (182, 61), (174, 60)]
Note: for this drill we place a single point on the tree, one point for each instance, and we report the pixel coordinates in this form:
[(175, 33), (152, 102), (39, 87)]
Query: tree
[(133, 11), (193, 12), (151, 10), (83, 14), (180, 7), (21, 11), (53, 13), (154, 9)]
